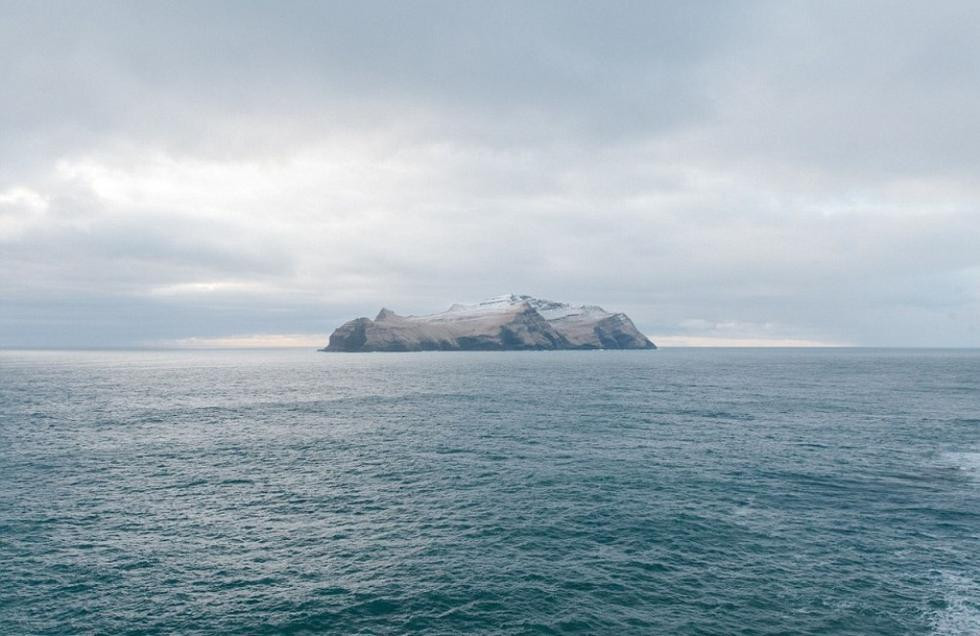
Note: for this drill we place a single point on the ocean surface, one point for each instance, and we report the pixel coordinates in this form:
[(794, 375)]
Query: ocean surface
[(679, 491)]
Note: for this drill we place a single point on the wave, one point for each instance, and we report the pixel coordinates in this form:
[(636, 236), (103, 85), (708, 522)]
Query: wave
[(966, 461), (960, 614)]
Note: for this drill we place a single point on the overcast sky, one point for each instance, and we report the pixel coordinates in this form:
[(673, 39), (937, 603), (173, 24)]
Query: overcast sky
[(724, 172)]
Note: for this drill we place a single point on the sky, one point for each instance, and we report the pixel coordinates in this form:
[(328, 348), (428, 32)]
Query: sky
[(252, 173)]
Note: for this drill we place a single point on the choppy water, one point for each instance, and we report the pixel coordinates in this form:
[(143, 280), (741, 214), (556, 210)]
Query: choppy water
[(673, 492)]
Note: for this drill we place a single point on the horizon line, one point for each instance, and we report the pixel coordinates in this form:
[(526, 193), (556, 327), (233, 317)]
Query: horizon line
[(15, 348)]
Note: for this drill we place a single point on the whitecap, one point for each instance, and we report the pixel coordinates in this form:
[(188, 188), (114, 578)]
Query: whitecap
[(961, 615), (966, 461)]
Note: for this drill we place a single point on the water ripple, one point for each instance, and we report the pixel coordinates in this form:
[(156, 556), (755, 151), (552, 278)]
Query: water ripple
[(680, 492)]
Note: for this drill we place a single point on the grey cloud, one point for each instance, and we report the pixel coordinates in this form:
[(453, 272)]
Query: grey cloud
[(785, 170)]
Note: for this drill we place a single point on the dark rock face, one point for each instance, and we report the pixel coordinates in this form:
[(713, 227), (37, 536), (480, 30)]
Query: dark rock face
[(351, 336), (511, 323)]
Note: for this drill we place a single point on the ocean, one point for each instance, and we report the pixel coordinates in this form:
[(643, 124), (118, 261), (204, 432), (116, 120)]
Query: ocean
[(678, 491)]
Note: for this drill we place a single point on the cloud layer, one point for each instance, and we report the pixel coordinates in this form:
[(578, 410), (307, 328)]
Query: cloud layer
[(758, 172)]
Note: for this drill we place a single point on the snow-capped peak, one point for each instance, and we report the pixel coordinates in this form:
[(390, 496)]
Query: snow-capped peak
[(549, 309)]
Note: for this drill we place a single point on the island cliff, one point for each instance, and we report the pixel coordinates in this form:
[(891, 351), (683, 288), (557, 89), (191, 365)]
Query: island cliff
[(504, 323)]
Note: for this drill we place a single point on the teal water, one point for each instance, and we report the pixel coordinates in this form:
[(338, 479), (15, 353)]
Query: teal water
[(667, 492)]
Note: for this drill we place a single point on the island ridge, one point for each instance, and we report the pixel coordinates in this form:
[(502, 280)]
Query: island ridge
[(503, 323)]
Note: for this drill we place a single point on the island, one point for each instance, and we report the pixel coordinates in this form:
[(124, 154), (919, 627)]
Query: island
[(505, 323)]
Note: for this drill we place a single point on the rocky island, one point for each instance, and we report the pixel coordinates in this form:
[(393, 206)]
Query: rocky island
[(499, 324)]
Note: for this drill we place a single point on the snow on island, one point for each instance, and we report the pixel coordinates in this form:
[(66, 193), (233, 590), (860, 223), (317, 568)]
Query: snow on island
[(509, 322)]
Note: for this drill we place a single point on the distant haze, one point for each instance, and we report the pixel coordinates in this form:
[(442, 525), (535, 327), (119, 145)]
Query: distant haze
[(240, 173)]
